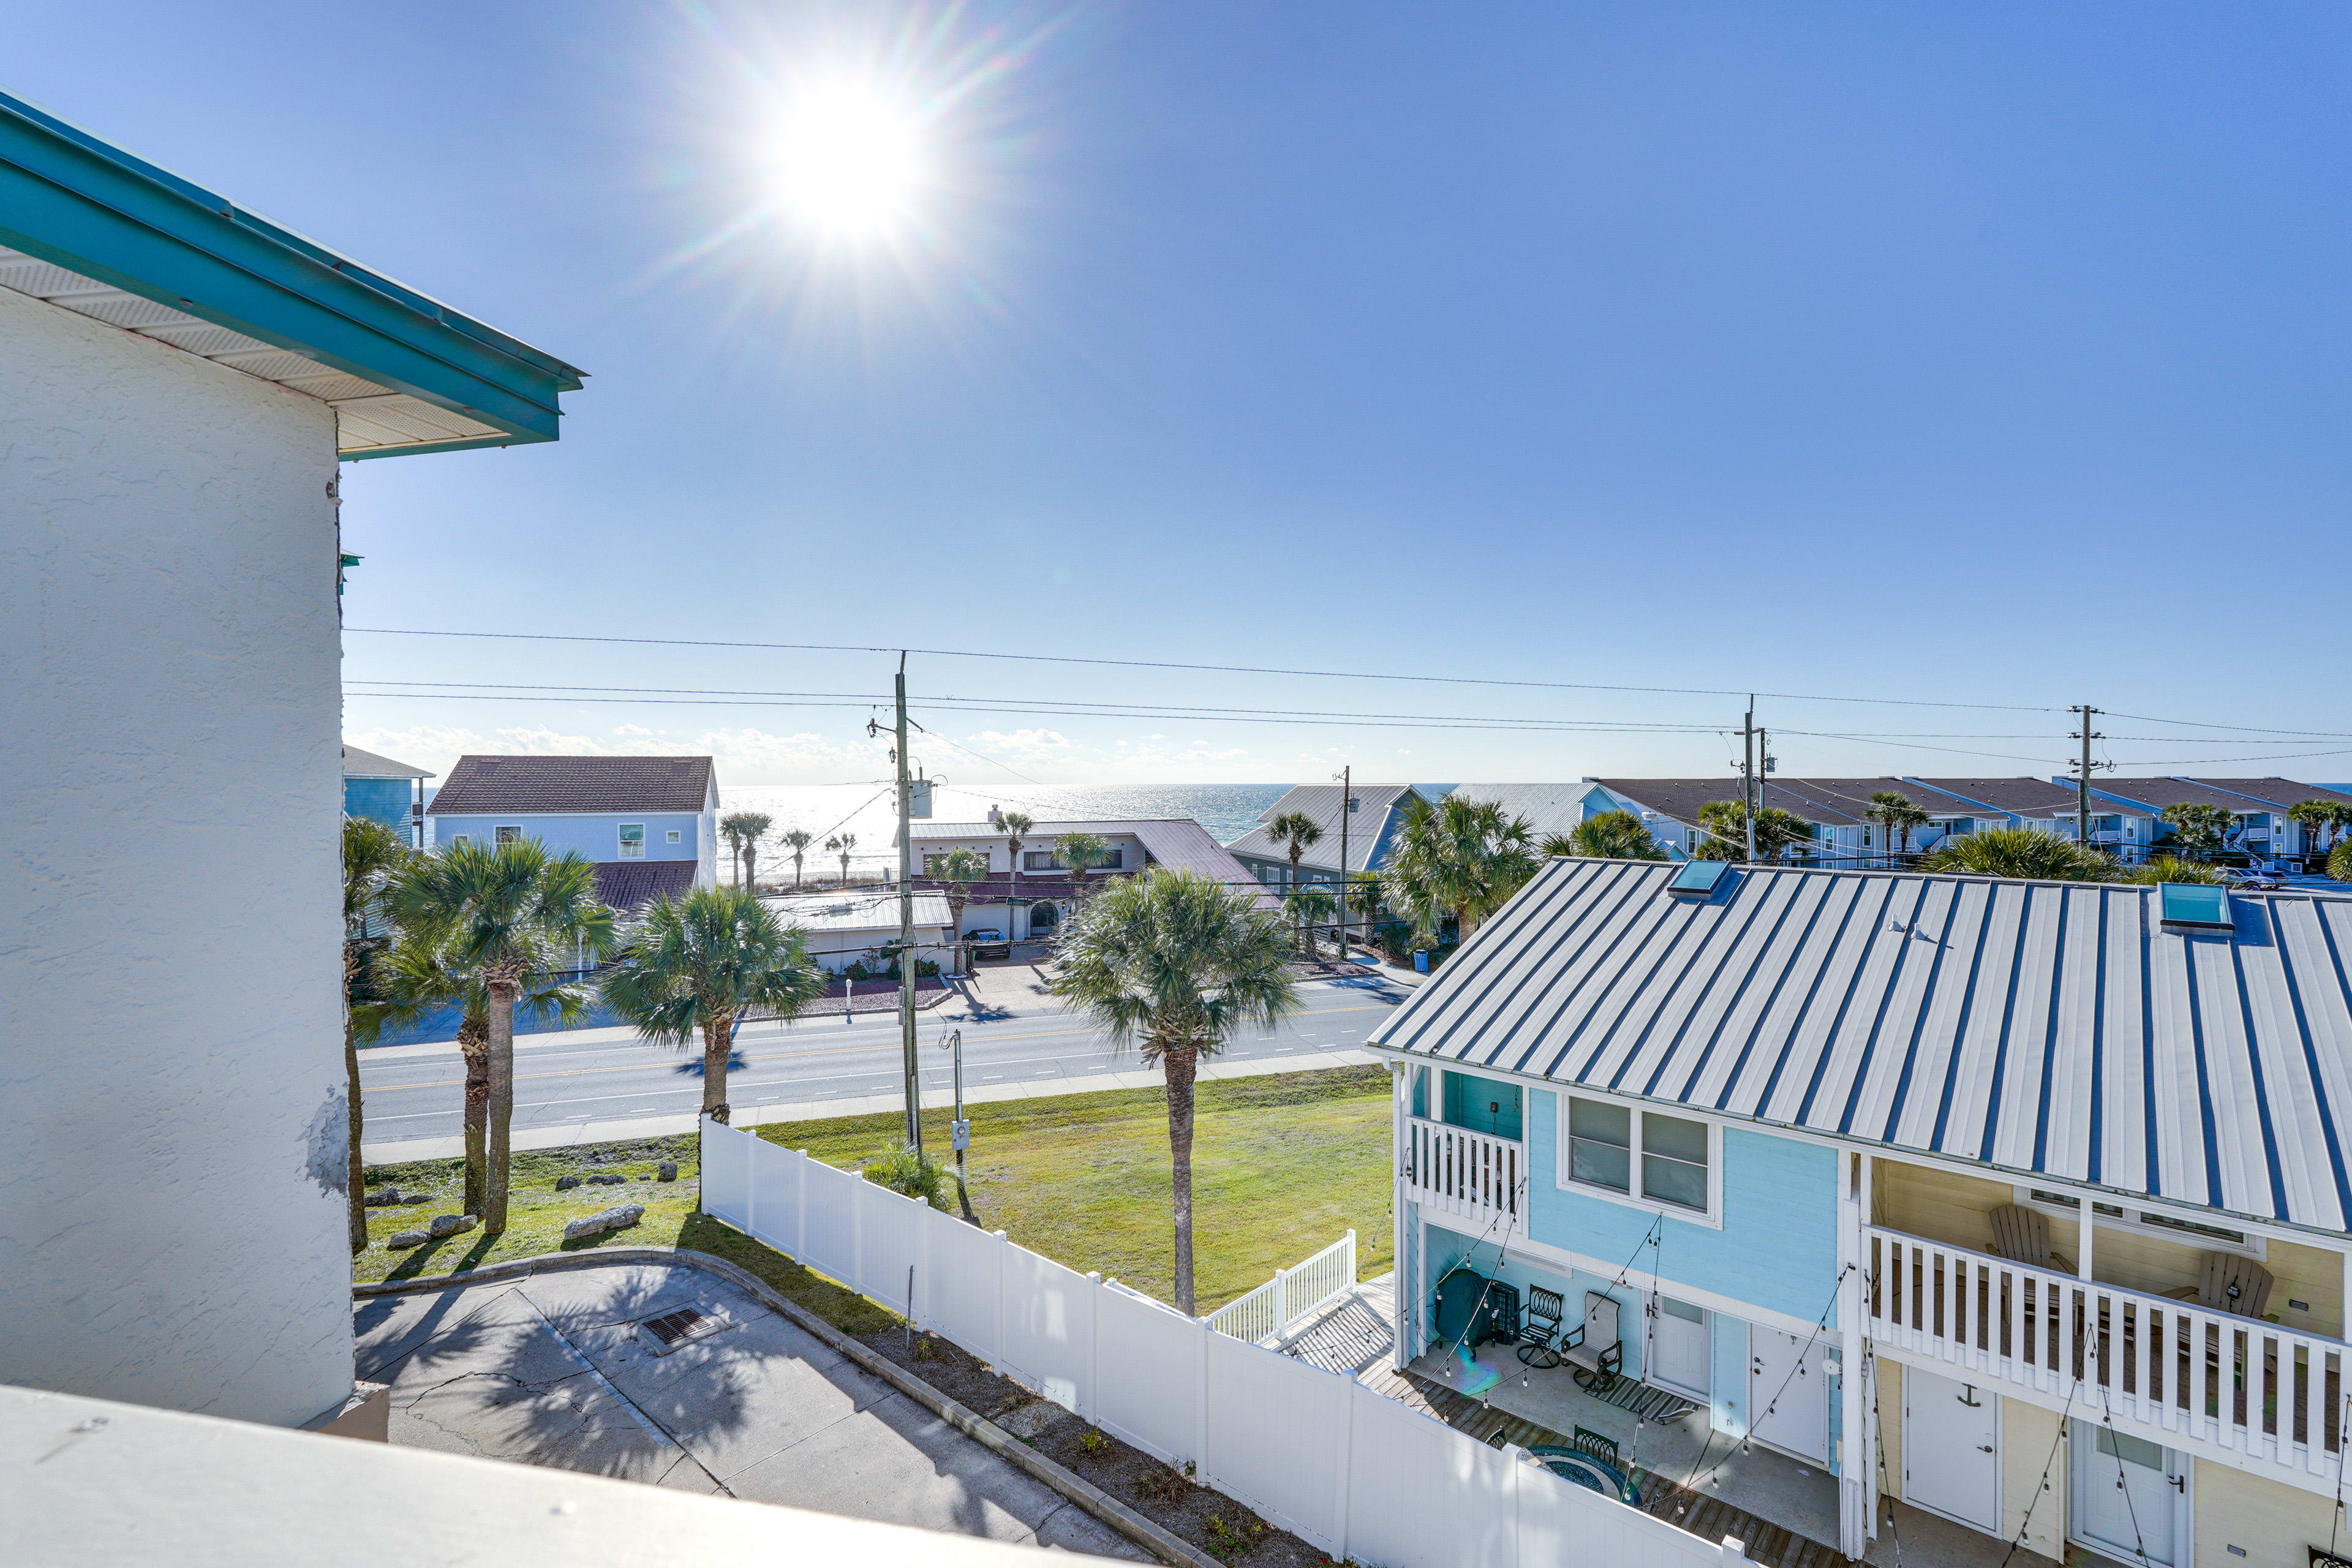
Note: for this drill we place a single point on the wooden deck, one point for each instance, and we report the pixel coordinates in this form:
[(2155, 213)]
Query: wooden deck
[(1710, 1518)]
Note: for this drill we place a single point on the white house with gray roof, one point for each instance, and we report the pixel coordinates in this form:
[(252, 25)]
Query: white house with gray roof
[(1373, 813)]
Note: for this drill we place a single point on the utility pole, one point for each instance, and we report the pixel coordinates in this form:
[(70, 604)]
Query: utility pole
[(907, 928), (1346, 801), (2082, 774), (1748, 775)]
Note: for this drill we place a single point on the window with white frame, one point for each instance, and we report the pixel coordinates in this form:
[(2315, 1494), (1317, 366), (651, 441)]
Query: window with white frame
[(508, 835), (633, 840), (1644, 1157), (672, 836)]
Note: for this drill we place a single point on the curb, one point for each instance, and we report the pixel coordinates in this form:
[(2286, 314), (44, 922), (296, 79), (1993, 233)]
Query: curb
[(1160, 1542)]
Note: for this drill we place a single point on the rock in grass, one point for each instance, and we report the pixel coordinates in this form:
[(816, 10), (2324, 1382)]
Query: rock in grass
[(417, 1198), (452, 1225), (618, 1217), (383, 1197), (565, 1183), (667, 1171), (406, 1239)]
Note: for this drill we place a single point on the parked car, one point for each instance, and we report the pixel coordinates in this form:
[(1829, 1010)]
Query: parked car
[(2257, 878), (988, 942)]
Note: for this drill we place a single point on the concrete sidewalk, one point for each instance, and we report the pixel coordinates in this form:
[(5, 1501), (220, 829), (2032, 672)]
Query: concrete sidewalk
[(553, 1370)]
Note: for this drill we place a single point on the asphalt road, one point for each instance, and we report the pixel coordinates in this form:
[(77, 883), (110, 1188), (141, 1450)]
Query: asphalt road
[(1012, 1035)]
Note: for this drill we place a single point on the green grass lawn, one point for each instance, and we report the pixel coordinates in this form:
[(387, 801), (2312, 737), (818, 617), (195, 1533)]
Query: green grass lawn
[(1281, 1166)]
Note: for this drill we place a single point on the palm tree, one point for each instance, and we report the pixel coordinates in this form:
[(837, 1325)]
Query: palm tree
[(1298, 830), (1310, 906), (418, 977), (1606, 836), (698, 964), (960, 868), (1017, 826), (1458, 858), (2320, 821), (1080, 852), (797, 841), (743, 830), (1364, 898), (1726, 825), (840, 843), (1177, 963), (2339, 861), (2202, 830), (500, 910), (372, 855), (1897, 818), (2024, 852)]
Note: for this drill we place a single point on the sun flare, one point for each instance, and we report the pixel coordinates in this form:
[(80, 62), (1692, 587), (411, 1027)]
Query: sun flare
[(847, 159)]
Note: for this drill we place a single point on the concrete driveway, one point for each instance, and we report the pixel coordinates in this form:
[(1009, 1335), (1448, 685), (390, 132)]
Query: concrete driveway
[(554, 1370)]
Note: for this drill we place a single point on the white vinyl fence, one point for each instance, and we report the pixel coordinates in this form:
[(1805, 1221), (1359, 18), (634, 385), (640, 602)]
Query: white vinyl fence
[(1354, 1473), (1291, 1297)]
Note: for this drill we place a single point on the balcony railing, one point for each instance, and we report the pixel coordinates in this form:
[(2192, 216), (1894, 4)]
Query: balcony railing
[(1473, 1176), (2202, 1377)]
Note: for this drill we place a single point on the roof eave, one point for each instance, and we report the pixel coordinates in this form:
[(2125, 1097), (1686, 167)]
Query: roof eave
[(75, 202)]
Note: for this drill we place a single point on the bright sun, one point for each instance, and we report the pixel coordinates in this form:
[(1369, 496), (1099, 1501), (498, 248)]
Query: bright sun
[(847, 159)]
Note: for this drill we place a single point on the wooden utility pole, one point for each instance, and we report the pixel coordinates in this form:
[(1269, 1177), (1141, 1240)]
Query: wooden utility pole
[(2082, 774), (1346, 803), (907, 928), (1747, 776)]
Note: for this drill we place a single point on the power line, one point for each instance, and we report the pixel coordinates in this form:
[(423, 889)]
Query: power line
[(1217, 668)]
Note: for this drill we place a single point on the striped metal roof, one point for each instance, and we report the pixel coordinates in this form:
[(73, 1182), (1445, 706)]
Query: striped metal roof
[(2034, 1026)]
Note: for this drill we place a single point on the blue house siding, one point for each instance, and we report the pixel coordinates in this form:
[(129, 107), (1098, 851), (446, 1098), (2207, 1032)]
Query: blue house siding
[(380, 800), (597, 836), (1778, 1246)]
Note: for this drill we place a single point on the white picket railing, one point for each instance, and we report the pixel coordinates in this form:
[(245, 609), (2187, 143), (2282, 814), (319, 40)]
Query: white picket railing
[(1351, 1471), (1293, 1295), (2251, 1389), (1473, 1176)]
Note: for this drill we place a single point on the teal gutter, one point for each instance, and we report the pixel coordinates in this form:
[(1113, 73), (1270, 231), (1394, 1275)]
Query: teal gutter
[(75, 202)]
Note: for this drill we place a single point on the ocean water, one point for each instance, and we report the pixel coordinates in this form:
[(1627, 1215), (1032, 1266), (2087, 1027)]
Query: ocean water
[(1227, 811)]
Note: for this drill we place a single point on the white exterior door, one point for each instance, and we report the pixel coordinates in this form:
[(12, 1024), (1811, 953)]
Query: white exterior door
[(1680, 1357), (1788, 1395), (1951, 1449), (2130, 1495)]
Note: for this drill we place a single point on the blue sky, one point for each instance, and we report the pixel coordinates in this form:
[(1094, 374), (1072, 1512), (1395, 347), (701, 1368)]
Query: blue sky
[(1985, 354)]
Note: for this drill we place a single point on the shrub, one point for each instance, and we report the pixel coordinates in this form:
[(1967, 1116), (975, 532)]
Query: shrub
[(2339, 861), (915, 1175), (2167, 868)]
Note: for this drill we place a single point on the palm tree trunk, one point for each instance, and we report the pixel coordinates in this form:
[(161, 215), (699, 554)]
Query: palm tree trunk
[(751, 866), (358, 1182), (796, 873), (718, 1045), (1180, 1066), (501, 1106), (474, 1046)]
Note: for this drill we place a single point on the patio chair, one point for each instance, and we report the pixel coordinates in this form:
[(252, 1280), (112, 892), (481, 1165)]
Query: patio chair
[(1594, 1347), (2230, 1284), (1539, 1339), (2022, 1235), (1597, 1444)]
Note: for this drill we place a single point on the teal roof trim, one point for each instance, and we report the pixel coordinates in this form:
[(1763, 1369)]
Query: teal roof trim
[(72, 200)]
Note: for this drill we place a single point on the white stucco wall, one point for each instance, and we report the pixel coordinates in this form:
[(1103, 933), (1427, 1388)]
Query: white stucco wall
[(171, 1115)]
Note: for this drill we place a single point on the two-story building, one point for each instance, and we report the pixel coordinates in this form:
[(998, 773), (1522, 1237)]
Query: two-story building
[(1367, 817), (1030, 901), (382, 790), (2260, 826), (650, 823), (2022, 1204)]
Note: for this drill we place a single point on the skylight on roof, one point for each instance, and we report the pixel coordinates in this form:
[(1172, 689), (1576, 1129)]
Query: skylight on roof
[(1697, 878), (2192, 906)]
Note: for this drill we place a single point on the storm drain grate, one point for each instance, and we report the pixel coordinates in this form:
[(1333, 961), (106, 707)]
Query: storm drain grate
[(682, 1327)]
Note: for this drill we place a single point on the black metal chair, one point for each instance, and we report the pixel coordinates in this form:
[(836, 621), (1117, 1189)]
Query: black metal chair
[(1539, 1339), (1594, 1347)]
